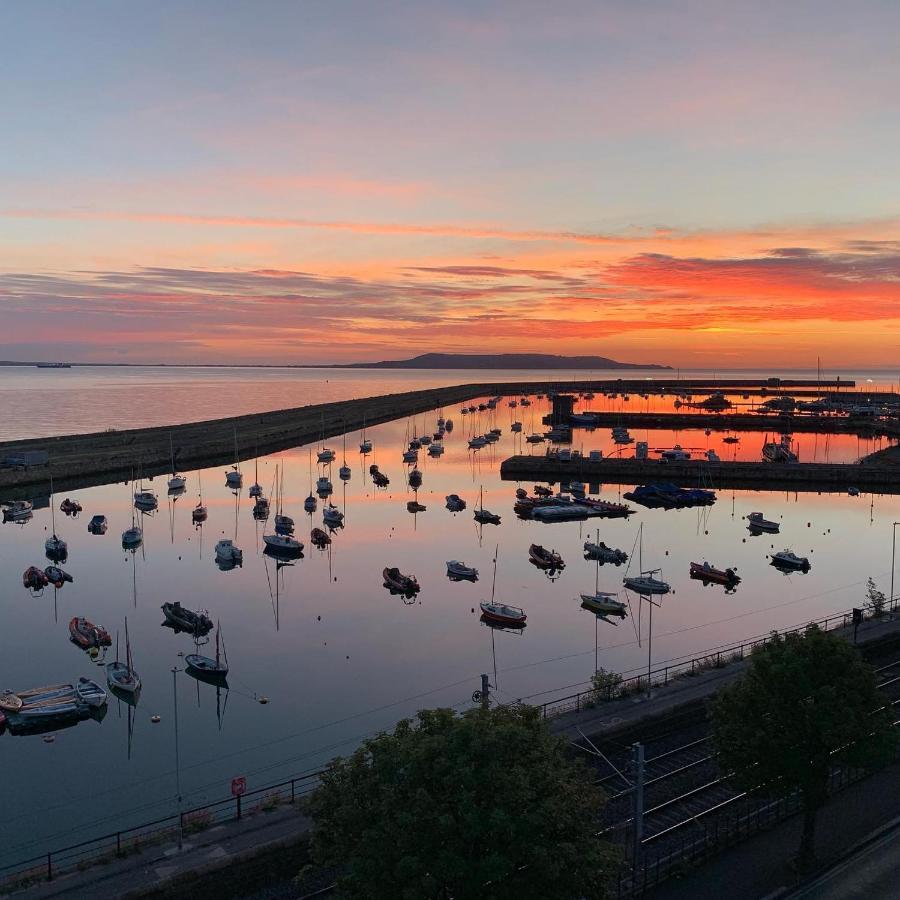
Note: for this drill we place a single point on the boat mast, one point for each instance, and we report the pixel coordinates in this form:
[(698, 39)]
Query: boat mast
[(494, 583)]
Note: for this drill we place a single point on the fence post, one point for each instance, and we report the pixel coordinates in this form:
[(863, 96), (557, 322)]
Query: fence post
[(118, 843), (292, 790), (667, 676), (238, 798), (49, 869)]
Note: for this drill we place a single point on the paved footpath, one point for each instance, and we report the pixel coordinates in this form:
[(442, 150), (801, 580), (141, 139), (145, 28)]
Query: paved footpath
[(151, 869)]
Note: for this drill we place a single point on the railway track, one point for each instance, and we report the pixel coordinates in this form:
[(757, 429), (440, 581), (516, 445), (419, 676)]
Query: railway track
[(684, 789)]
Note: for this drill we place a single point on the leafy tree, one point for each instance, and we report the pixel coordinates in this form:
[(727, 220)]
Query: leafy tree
[(484, 805), (808, 702)]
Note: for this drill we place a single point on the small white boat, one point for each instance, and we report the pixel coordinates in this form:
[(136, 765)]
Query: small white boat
[(177, 483), (282, 544), (310, 503), (425, 440), (757, 522), (646, 584), (787, 559), (535, 438), (516, 427), (132, 537), (255, 490), (460, 571), (332, 516), (365, 447), (436, 449), (476, 443), (344, 473), (228, 551), (852, 491), (199, 513), (324, 486), (145, 500), (234, 479), (675, 453), (90, 693), (455, 503), (325, 455), (410, 456)]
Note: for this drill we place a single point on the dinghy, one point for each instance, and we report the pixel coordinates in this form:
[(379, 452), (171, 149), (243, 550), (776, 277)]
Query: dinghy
[(86, 634), (198, 623), (397, 582), (57, 576), (90, 693), (459, 571), (319, 538), (599, 552), (706, 572), (545, 559)]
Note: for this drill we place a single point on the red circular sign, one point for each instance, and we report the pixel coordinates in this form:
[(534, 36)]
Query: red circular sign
[(238, 786)]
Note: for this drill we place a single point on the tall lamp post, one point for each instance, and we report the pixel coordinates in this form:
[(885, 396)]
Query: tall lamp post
[(175, 671), (893, 557)]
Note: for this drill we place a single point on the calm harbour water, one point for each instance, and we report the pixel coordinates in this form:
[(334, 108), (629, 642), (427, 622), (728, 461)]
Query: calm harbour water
[(337, 655)]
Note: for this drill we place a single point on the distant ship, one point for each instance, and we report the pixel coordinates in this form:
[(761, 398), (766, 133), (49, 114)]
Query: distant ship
[(53, 365)]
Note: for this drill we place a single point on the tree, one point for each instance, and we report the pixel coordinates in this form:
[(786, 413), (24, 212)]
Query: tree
[(876, 598), (807, 703), (484, 805)]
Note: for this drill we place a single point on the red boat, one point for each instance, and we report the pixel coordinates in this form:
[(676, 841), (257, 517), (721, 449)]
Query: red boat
[(502, 614), (706, 572), (86, 634), (319, 538), (70, 507), (34, 579)]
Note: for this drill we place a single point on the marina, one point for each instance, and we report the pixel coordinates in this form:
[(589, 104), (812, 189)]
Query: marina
[(398, 588)]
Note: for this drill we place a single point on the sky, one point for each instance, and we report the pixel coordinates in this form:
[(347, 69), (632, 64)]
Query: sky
[(689, 183)]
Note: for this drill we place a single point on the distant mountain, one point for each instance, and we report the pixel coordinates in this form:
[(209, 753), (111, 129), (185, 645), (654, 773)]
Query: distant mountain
[(499, 361)]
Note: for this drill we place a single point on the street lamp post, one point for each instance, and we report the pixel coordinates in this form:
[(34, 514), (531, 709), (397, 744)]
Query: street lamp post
[(893, 557), (175, 671)]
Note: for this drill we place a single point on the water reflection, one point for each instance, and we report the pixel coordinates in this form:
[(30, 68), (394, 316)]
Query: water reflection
[(337, 651)]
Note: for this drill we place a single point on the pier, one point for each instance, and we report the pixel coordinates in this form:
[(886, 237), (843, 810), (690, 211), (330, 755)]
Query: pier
[(763, 476)]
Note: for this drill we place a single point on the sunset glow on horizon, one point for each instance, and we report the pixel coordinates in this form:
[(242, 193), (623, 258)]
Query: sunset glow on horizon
[(693, 184)]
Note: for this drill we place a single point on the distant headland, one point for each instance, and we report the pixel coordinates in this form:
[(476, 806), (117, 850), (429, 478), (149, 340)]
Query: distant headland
[(499, 361)]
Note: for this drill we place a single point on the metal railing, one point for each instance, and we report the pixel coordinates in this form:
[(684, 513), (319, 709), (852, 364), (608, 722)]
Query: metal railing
[(680, 668), (129, 841)]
